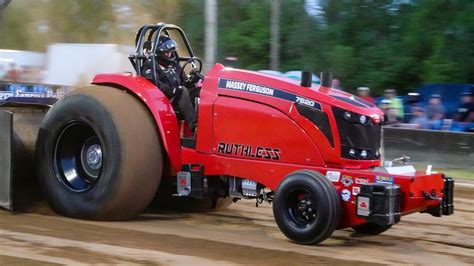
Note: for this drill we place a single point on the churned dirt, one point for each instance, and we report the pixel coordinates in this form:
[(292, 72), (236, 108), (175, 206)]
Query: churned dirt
[(241, 234)]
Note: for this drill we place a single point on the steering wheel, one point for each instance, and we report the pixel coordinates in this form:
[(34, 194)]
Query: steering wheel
[(195, 71)]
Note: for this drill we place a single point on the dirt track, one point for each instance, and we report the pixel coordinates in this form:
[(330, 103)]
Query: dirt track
[(242, 234)]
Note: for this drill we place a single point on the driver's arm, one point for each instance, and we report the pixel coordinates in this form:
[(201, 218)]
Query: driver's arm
[(187, 82)]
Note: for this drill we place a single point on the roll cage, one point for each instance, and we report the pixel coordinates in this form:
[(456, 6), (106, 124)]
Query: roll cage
[(145, 46)]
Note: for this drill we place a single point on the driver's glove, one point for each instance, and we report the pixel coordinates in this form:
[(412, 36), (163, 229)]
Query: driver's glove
[(196, 76)]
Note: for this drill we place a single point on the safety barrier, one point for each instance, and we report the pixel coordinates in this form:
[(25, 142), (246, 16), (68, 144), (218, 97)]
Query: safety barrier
[(441, 148)]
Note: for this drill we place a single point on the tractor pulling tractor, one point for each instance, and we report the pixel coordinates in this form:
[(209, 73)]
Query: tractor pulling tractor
[(104, 152)]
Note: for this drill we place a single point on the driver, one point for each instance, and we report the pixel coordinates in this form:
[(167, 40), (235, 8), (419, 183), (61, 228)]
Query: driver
[(172, 80)]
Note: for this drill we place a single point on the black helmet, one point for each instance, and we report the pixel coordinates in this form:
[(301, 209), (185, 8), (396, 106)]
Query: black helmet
[(166, 50)]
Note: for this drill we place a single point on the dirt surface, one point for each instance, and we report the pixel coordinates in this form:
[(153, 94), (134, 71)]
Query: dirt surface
[(242, 234)]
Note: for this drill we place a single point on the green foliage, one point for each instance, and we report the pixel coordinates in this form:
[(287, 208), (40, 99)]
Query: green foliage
[(244, 32), (440, 67), (380, 44)]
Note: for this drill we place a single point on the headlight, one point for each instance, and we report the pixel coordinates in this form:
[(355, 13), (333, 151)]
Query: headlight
[(355, 118), (347, 116), (352, 153)]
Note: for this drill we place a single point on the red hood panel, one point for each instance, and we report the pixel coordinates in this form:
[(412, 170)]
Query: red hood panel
[(255, 82)]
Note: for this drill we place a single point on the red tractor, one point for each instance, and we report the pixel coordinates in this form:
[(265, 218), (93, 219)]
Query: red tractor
[(313, 151)]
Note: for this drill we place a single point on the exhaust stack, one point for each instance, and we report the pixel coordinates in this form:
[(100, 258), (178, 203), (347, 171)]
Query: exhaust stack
[(306, 79), (326, 79)]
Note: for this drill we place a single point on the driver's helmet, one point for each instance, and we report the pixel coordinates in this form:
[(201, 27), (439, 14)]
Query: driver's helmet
[(166, 50)]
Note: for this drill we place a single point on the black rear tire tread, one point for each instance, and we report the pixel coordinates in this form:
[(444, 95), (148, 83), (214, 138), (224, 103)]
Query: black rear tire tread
[(133, 164)]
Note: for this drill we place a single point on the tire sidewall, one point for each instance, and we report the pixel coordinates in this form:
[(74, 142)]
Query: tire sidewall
[(79, 108), (327, 208)]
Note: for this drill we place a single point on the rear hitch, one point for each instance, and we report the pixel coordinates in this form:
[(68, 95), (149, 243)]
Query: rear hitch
[(446, 206), (431, 196)]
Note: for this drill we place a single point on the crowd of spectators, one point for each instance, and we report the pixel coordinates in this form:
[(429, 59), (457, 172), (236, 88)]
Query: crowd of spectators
[(432, 115), (26, 74), (12, 74)]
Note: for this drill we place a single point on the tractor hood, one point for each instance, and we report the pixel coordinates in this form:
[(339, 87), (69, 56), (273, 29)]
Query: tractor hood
[(289, 89), (350, 125)]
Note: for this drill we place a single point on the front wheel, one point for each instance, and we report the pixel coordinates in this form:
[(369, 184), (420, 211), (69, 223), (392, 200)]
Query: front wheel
[(306, 207)]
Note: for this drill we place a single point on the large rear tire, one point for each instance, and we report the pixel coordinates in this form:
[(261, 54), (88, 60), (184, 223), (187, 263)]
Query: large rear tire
[(306, 207), (99, 155)]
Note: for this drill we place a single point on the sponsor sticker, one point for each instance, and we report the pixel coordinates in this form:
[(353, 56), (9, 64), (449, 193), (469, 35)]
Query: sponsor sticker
[(361, 180), (346, 195), (384, 179), (333, 176), (346, 180), (355, 190), (363, 206)]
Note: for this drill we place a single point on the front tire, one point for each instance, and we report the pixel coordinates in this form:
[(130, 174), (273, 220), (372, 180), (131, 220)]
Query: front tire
[(306, 207), (99, 155)]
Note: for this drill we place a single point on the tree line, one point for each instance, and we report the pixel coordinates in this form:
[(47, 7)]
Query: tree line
[(380, 43)]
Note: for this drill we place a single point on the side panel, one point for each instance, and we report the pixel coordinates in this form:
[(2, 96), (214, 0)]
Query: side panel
[(206, 104), (246, 129), (6, 128), (157, 103)]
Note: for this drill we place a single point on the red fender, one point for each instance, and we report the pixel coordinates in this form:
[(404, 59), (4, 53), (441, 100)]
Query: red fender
[(157, 103)]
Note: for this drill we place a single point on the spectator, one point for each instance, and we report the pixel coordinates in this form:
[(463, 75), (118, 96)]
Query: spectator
[(336, 84), (2, 71), (418, 117), (13, 74), (413, 99), (390, 116), (435, 112), (465, 111), (364, 93), (395, 103), (464, 116)]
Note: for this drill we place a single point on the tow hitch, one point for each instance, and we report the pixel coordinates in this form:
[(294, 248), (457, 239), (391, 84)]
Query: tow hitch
[(446, 206)]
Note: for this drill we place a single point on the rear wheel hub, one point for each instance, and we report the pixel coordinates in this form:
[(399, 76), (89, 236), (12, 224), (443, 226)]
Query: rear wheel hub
[(78, 157)]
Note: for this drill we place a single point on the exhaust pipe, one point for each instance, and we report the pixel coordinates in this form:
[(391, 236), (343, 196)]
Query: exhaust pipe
[(306, 79), (326, 79)]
